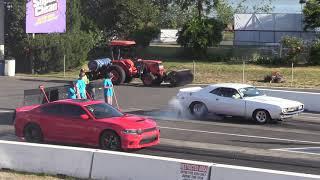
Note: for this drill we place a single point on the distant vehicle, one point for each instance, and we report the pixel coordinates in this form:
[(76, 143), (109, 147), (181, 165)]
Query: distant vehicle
[(86, 122), (238, 100)]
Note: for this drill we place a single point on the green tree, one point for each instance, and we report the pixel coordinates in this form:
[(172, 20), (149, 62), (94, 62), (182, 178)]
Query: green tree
[(315, 53), (200, 33), (203, 6), (225, 10), (294, 47), (14, 26), (311, 13), (248, 6), (173, 17), (45, 52), (122, 19)]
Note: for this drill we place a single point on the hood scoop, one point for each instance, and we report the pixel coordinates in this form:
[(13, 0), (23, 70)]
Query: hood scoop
[(140, 120)]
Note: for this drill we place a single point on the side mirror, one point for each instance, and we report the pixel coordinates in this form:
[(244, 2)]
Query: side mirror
[(84, 117)]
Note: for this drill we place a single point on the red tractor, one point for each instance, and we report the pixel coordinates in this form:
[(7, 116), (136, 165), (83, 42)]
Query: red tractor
[(125, 66)]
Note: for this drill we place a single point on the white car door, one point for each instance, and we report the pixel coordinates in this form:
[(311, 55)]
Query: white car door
[(230, 102), (212, 101)]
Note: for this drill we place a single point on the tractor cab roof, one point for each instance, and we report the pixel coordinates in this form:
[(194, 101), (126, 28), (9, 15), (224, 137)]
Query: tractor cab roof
[(122, 43)]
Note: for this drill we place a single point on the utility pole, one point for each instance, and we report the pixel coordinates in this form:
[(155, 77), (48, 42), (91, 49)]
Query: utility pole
[(301, 2)]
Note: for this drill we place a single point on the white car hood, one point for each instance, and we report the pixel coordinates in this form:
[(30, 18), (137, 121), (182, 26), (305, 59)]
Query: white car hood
[(283, 103)]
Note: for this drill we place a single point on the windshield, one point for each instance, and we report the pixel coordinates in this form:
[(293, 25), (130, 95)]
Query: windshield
[(250, 92), (103, 110)]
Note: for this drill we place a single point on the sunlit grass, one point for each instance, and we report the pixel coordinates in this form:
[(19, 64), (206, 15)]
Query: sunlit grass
[(217, 72), (29, 176)]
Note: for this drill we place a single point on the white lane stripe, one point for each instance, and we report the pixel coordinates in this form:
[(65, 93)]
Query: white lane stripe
[(300, 152), (308, 116), (299, 148), (5, 111), (241, 135)]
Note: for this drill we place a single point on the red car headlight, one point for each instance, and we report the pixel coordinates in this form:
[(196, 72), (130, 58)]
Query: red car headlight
[(132, 131)]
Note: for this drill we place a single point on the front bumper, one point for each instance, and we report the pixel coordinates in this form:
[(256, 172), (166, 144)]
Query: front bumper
[(135, 141), (291, 114)]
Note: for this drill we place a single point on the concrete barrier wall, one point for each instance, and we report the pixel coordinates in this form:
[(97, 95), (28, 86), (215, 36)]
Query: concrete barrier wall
[(227, 172), (49, 159), (124, 166), (98, 164), (309, 99)]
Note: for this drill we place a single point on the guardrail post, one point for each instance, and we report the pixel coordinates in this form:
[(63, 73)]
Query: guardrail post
[(194, 69), (291, 74)]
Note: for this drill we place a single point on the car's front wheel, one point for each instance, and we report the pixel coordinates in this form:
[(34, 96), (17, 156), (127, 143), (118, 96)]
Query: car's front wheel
[(261, 116), (32, 133), (109, 140), (199, 110)]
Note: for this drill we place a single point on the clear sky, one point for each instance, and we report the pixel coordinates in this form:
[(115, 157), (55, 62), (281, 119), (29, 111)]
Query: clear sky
[(280, 6)]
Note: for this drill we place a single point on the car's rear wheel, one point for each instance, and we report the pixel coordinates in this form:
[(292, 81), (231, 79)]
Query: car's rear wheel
[(110, 140), (33, 133), (199, 110), (261, 116)]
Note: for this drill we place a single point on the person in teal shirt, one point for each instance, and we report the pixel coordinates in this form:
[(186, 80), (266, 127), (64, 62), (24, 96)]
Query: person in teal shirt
[(81, 86), (108, 88), (72, 91)]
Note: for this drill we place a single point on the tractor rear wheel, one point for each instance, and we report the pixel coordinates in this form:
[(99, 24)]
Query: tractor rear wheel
[(128, 79), (119, 75)]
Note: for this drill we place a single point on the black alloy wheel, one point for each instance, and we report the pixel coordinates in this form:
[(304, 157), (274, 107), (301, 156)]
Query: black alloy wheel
[(109, 140), (32, 133)]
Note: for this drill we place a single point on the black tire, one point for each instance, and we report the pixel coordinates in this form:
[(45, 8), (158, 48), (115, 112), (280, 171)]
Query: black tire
[(128, 79), (174, 81), (261, 116), (118, 73), (199, 110), (33, 133), (109, 140), (147, 79), (157, 81)]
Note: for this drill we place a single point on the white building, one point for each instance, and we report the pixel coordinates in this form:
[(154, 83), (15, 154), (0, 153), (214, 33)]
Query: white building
[(259, 29)]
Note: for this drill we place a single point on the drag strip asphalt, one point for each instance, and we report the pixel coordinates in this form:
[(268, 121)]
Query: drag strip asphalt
[(228, 141), (237, 143)]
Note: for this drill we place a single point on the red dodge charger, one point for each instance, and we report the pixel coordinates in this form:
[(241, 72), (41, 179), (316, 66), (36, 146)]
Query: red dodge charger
[(86, 122)]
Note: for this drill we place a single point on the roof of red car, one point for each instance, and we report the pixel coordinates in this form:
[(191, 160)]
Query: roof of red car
[(122, 43), (83, 102)]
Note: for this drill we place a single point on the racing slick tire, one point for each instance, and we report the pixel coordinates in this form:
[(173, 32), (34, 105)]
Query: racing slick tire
[(109, 140), (33, 133), (261, 116), (199, 110)]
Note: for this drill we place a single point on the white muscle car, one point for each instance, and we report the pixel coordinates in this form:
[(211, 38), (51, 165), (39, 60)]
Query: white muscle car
[(238, 100)]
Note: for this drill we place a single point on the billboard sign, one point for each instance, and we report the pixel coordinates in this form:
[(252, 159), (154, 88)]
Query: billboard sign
[(46, 16)]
